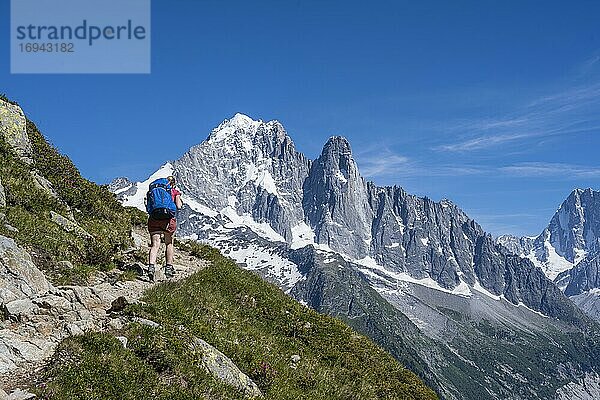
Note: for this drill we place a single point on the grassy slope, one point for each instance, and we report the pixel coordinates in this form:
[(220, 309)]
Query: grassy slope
[(94, 208), (252, 322)]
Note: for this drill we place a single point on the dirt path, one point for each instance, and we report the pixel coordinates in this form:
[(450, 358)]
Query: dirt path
[(35, 325)]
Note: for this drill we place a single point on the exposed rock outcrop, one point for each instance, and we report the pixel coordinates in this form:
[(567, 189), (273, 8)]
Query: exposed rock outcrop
[(336, 201), (222, 368), (250, 167), (13, 129), (572, 234), (19, 277), (2, 195), (35, 316), (68, 225)]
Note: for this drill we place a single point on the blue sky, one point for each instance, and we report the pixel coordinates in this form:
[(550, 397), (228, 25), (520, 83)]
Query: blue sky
[(494, 105)]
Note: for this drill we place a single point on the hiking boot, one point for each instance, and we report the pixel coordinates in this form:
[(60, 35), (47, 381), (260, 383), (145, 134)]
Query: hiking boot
[(151, 272), (169, 271)]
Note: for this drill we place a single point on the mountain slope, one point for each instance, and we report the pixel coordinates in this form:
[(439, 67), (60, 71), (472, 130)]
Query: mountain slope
[(44, 210), (289, 350), (400, 253)]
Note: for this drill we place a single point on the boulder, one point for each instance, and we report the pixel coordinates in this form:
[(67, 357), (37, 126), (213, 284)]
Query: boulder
[(18, 310), (123, 340), (68, 225), (222, 368), (2, 195), (43, 184), (118, 305), (19, 277), (20, 395), (13, 130), (66, 265), (146, 322)]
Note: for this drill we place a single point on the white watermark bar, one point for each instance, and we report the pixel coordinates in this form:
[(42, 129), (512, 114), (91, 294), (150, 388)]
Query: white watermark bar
[(80, 36)]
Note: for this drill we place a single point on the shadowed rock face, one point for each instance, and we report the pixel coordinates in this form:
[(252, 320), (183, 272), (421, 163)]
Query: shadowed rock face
[(336, 202), (585, 276)]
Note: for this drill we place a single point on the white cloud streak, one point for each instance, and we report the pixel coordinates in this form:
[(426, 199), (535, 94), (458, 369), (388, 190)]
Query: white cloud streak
[(569, 112), (568, 171), (386, 163)]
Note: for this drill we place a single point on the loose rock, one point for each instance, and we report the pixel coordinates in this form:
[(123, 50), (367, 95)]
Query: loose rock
[(2, 196), (222, 368)]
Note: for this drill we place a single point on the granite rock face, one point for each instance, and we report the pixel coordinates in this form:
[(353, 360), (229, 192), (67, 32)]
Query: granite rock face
[(13, 129), (335, 201), (568, 249), (575, 228), (249, 172), (119, 184), (19, 277), (584, 276)]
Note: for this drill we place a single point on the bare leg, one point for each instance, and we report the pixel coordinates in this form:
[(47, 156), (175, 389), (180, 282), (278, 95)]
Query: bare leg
[(169, 252), (153, 253)]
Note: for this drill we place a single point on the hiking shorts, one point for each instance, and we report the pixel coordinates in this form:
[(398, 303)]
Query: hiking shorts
[(162, 225)]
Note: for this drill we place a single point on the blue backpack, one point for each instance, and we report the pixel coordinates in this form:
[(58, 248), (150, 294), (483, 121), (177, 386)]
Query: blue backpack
[(159, 202)]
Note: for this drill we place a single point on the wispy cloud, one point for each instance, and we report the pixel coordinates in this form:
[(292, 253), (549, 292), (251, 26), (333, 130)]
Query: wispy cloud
[(481, 142), (533, 169), (568, 112), (589, 66), (386, 163)]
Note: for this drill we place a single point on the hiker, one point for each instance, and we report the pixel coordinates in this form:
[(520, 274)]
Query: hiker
[(162, 202)]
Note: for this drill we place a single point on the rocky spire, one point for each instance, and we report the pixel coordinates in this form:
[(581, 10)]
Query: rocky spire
[(335, 200)]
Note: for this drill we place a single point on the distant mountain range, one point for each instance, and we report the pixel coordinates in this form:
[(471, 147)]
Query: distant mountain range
[(467, 313), (568, 249)]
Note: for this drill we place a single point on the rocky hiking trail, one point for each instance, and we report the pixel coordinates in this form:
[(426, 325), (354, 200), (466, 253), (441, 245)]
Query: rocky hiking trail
[(37, 316)]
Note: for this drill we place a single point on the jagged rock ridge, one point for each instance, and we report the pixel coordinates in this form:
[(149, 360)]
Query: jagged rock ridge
[(251, 169), (397, 243)]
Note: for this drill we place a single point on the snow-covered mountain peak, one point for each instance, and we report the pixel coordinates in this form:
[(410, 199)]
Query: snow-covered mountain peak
[(246, 138), (571, 237), (239, 120), (575, 228), (240, 126)]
